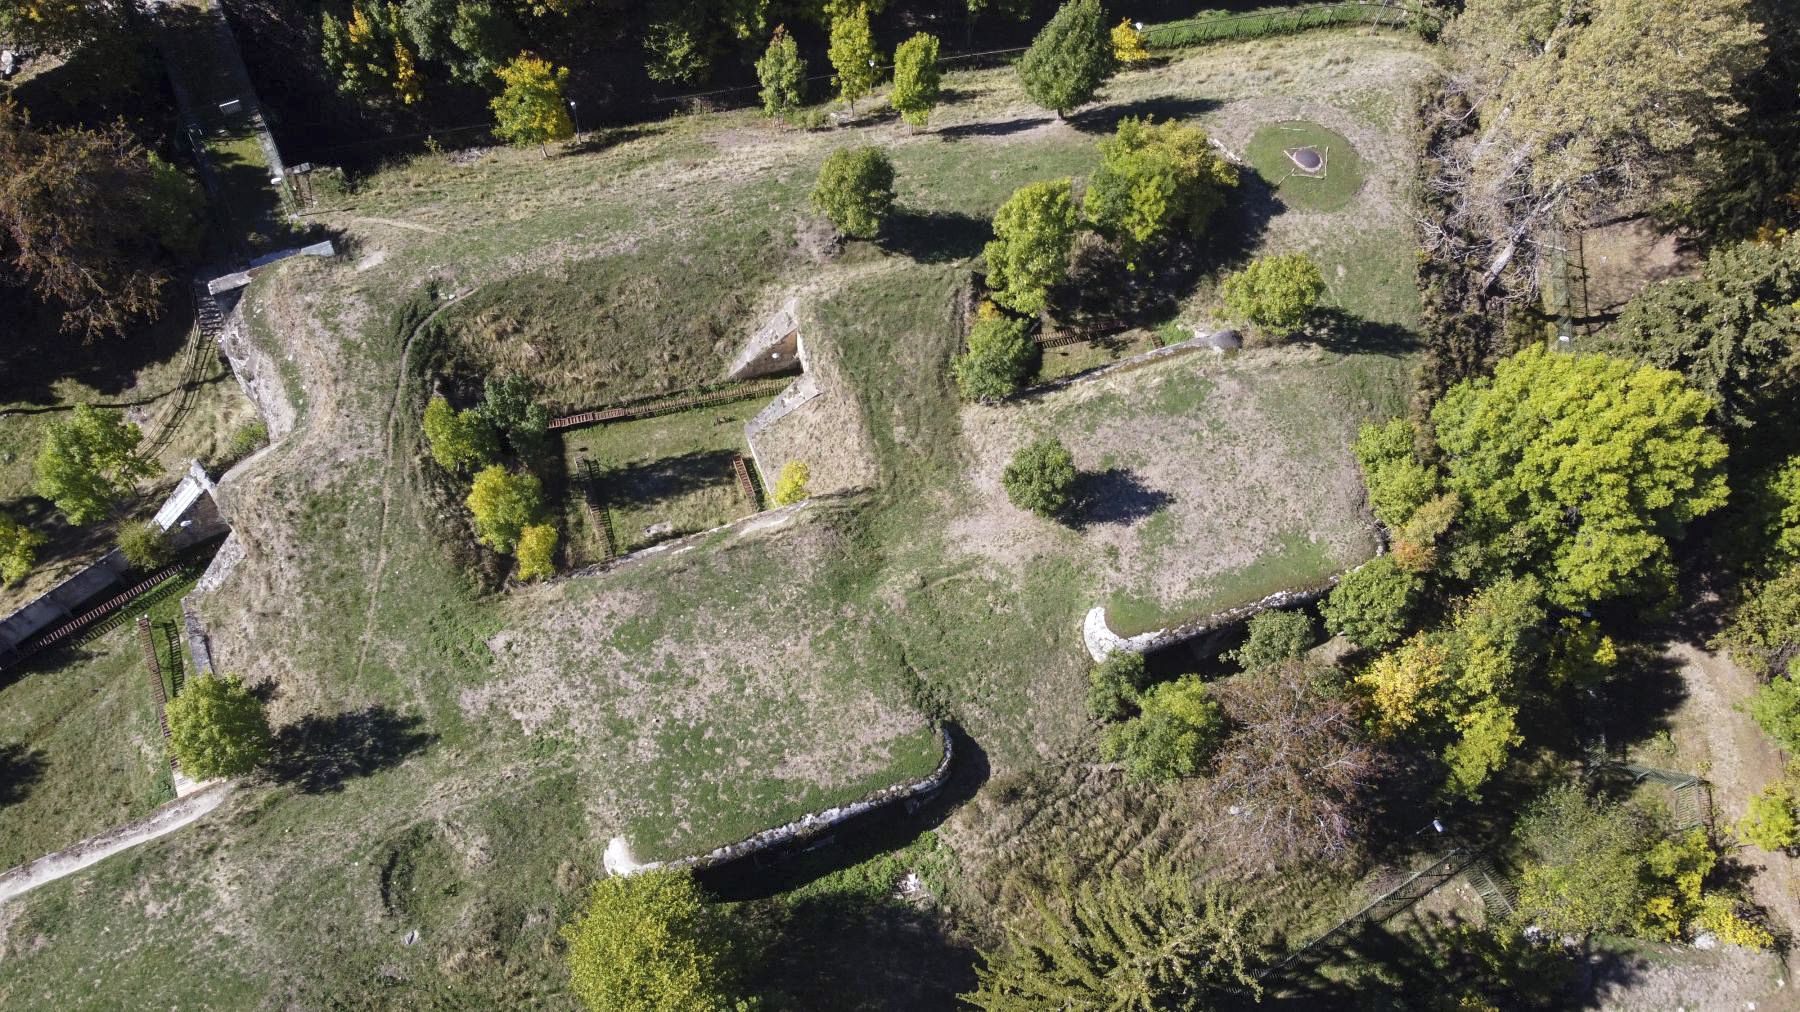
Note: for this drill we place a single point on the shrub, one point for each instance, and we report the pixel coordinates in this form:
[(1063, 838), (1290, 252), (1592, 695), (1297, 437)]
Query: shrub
[(916, 79), (504, 503), (1114, 684), (1001, 357), (1373, 605), (1275, 636), (1276, 293), (1179, 728), (245, 440), (856, 190), (88, 462), (1128, 43), (1070, 58), (530, 108), (1156, 179), (1764, 632), (18, 549), (1586, 869), (537, 551), (1029, 255), (790, 485), (459, 439), (650, 943), (782, 74), (509, 403), (217, 728), (145, 546), (1776, 709), (1040, 477), (1771, 820)]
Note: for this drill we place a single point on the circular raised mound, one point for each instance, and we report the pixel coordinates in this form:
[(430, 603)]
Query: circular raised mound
[(1308, 166)]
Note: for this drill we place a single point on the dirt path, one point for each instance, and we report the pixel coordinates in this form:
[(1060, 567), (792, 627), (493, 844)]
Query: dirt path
[(95, 849), (1713, 729), (387, 484)]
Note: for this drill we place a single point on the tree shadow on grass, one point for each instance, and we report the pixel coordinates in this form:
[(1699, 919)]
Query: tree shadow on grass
[(935, 237), (318, 754), (1335, 330), (20, 768), (852, 951), (635, 486), (1105, 119), (1113, 496), (1003, 128)]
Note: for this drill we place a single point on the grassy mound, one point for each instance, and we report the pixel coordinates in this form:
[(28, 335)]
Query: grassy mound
[(1330, 190)]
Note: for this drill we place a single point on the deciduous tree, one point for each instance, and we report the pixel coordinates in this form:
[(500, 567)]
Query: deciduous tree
[(1000, 358), (1275, 293), (1156, 180), (856, 190), (1177, 729), (1398, 482), (651, 943), (530, 108), (1040, 477), (460, 440), (782, 74), (88, 462), (1029, 255), (1771, 820), (1764, 632), (852, 54), (1128, 43), (1372, 606), (916, 79), (504, 504), (217, 728), (18, 549), (1115, 683), (145, 546), (509, 404), (537, 551), (1274, 636), (1070, 59), (1581, 469)]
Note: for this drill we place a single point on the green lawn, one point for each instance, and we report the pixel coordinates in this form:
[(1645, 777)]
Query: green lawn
[(1330, 189)]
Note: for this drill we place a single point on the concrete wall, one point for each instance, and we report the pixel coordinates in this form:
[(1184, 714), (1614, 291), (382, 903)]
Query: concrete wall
[(60, 602)]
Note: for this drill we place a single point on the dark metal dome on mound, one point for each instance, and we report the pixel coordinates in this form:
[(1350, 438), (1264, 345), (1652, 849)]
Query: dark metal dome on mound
[(1308, 159)]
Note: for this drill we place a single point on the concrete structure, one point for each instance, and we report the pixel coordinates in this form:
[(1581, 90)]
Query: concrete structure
[(775, 348)]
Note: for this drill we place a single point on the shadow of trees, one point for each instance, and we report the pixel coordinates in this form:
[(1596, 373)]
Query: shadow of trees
[(1335, 330), (1113, 496), (20, 767), (935, 237), (1002, 128), (848, 951), (639, 485), (1105, 119), (318, 753)]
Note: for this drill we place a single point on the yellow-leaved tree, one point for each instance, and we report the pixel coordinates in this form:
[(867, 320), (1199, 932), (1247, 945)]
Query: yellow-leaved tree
[(530, 108)]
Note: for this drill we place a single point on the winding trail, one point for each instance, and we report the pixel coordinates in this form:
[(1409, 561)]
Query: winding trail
[(387, 483), (95, 849)]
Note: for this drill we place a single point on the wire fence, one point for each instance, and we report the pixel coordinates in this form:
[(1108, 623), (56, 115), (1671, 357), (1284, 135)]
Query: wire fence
[(1221, 26)]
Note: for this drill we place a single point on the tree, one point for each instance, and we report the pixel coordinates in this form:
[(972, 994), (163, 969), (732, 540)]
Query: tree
[(676, 52), (1581, 469), (537, 551), (916, 79), (1039, 477), (1416, 542), (1372, 606), (1114, 685), (1119, 944), (1029, 254), (55, 26), (782, 74), (217, 728), (145, 546), (856, 190), (460, 440), (852, 54), (1154, 180), (1771, 821), (1405, 687), (91, 222), (1764, 631), (1776, 709), (509, 404), (1291, 782), (1274, 636), (1398, 482), (504, 504), (1070, 59), (18, 549), (1001, 356), (1177, 730), (1586, 869), (1733, 332), (790, 484), (88, 462), (1276, 293), (1774, 502), (1128, 43), (650, 943), (530, 108)]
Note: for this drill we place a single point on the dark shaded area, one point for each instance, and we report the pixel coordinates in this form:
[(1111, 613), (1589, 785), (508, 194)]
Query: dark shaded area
[(317, 754), (596, 141), (849, 952), (638, 485), (20, 768), (1002, 128), (935, 237), (1335, 330), (37, 355), (1113, 496), (1105, 119)]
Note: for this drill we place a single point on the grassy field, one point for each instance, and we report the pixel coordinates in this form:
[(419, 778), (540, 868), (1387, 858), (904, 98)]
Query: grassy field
[(455, 761), (666, 476), (1331, 189), (83, 749)]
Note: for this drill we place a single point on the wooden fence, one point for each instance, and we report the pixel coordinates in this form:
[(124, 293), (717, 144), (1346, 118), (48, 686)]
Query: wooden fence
[(746, 484)]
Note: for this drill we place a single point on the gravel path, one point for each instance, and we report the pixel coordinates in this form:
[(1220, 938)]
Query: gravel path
[(95, 849)]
